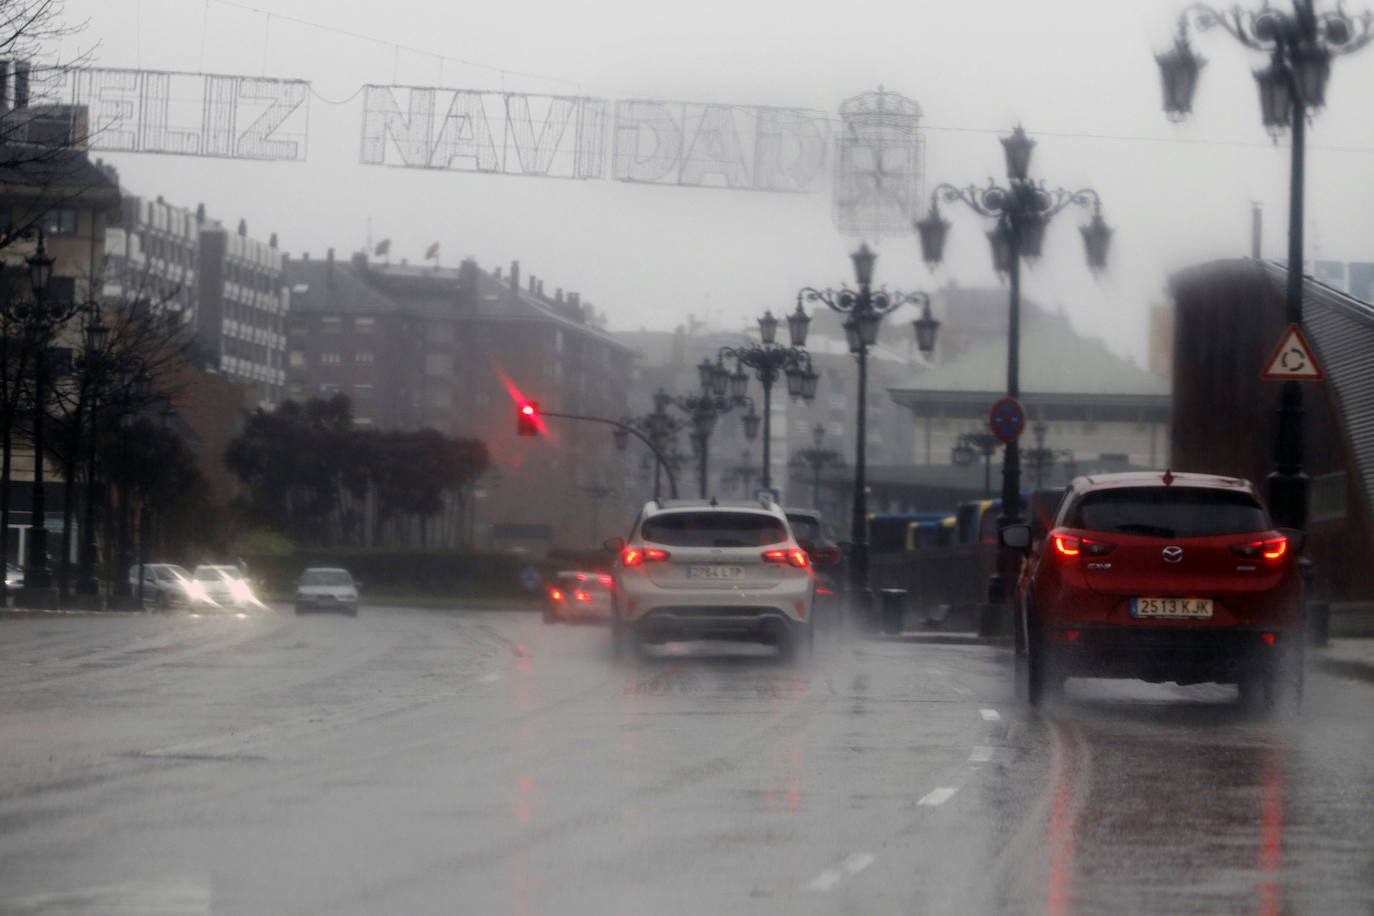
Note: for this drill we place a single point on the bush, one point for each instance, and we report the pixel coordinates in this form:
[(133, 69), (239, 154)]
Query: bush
[(407, 572)]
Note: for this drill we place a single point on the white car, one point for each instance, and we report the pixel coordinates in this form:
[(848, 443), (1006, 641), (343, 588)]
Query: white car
[(697, 569), (220, 586), (165, 585), (327, 588)]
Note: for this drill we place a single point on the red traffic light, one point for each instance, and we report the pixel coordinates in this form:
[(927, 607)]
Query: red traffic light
[(527, 420)]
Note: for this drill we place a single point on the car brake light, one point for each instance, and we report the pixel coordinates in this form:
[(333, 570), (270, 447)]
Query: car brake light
[(582, 596), (797, 558), (633, 556), (1071, 546), (604, 579), (556, 595), (1271, 548)]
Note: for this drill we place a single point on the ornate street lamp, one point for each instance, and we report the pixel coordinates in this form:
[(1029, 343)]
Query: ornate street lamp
[(817, 458), (40, 320), (768, 360), (703, 409), (1022, 211), (968, 447), (656, 429), (1300, 45), (863, 309)]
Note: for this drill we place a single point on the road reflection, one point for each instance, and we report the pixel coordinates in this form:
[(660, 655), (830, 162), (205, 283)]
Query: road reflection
[(1156, 805)]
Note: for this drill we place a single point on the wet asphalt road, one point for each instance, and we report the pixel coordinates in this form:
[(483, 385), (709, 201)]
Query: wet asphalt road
[(466, 762)]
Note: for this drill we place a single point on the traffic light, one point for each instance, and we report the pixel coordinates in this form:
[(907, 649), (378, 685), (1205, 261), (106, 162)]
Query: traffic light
[(527, 420)]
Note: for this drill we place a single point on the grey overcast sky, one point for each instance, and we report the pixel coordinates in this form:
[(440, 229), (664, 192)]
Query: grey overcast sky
[(1079, 74)]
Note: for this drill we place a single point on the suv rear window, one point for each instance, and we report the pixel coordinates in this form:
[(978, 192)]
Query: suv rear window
[(1168, 512), (713, 529)]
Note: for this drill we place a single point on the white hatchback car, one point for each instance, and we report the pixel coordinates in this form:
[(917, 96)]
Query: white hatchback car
[(327, 588), (698, 569)]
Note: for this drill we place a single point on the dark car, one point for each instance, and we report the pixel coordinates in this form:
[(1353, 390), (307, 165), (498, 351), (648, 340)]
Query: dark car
[(1161, 577), (809, 528)]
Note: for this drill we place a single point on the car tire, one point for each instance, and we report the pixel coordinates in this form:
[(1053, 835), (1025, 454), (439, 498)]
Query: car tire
[(1042, 681)]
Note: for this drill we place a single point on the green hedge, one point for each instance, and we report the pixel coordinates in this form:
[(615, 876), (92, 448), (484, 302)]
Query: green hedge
[(494, 575)]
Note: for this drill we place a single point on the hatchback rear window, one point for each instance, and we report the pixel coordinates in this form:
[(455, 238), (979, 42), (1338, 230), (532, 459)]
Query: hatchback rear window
[(1168, 512), (713, 529), (806, 528), (326, 577)]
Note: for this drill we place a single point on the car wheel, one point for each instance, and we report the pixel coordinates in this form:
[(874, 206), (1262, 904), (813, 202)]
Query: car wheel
[(300, 609), (1042, 680), (351, 610)]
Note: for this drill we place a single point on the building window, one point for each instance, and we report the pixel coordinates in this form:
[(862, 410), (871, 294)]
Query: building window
[(364, 356), (329, 359), (330, 325), (60, 221), (364, 325), (297, 359), (438, 364)]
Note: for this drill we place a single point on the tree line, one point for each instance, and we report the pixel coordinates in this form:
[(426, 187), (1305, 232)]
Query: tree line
[(314, 477)]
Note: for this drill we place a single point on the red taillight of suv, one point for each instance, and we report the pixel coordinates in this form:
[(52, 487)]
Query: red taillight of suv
[(795, 558), (1270, 548), (1070, 546), (633, 556)]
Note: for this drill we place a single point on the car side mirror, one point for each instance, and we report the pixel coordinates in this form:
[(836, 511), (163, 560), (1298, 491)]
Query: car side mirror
[(1297, 539), (357, 585), (1017, 537), (614, 545)]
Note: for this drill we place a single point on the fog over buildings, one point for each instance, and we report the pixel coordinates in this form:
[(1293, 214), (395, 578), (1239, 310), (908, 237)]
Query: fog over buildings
[(1080, 76)]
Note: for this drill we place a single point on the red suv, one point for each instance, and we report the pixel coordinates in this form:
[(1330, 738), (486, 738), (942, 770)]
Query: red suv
[(1161, 577)]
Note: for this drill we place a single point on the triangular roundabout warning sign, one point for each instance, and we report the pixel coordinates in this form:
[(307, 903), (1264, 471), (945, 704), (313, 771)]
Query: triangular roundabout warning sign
[(1293, 359)]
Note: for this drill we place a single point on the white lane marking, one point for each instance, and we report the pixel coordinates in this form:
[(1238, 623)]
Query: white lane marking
[(490, 677), (989, 715), (831, 878), (937, 797), (981, 754)]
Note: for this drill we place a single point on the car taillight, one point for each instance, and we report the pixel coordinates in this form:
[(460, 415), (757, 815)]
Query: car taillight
[(794, 557), (582, 596), (633, 556), (824, 556), (1270, 548), (555, 594), (604, 579), (1070, 546)]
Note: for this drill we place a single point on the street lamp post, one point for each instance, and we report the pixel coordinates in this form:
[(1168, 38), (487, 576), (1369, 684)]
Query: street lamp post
[(704, 408), (40, 320), (659, 428), (968, 447), (817, 458), (1042, 460), (769, 359), (1300, 46), (864, 309), (1021, 210)]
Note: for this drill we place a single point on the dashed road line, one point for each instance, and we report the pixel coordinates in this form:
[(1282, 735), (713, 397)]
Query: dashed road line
[(832, 878), (981, 754), (937, 796), (989, 715)]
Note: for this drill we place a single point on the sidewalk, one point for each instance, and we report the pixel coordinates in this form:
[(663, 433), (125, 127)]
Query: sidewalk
[(1345, 657)]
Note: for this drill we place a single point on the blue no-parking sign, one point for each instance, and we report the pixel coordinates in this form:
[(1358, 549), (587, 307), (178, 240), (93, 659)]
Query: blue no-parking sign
[(1007, 420)]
